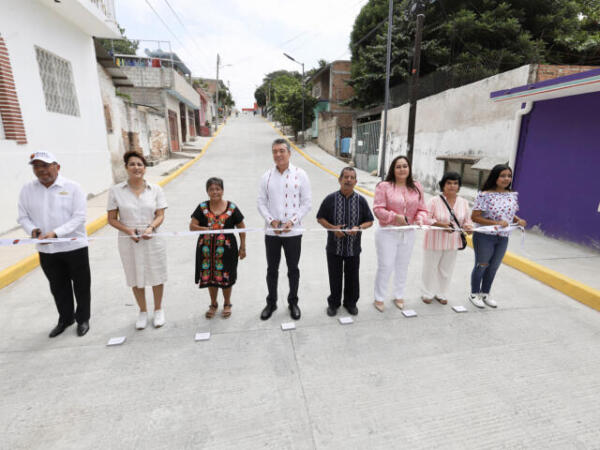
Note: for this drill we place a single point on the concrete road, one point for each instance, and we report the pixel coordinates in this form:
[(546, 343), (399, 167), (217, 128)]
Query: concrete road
[(522, 376)]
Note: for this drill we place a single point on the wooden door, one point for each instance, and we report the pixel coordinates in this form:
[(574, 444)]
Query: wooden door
[(182, 115), (173, 131)]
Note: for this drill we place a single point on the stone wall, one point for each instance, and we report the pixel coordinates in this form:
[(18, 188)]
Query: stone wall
[(131, 127), (328, 125)]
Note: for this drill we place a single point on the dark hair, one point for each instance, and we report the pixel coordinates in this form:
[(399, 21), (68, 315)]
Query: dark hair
[(391, 175), (279, 141), (344, 169), (214, 180), (450, 176), (492, 178), (132, 153)]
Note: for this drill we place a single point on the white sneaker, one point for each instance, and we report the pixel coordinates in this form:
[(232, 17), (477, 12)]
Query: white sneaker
[(489, 300), (159, 318), (142, 321), (474, 298)]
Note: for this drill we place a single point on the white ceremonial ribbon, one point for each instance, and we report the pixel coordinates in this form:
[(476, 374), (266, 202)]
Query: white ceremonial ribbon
[(8, 242)]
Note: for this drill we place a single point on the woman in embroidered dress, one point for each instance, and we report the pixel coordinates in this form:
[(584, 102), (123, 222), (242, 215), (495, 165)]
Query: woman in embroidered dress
[(399, 201), (217, 254), (441, 247), (495, 205)]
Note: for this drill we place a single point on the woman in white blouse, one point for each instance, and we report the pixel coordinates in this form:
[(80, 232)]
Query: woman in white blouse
[(137, 208)]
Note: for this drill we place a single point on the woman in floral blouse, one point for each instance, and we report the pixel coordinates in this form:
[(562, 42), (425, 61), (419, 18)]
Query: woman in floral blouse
[(495, 205), (217, 253)]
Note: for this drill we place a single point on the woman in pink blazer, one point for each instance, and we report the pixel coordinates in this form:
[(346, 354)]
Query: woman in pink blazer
[(399, 201)]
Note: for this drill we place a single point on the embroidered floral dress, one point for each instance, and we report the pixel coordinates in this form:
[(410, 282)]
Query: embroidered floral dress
[(217, 254)]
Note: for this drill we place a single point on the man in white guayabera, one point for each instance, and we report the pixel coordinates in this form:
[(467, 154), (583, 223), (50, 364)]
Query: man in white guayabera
[(52, 206), (283, 200)]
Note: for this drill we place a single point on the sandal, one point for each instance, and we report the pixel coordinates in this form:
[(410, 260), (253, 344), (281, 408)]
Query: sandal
[(427, 300), (442, 300), (226, 310), (212, 310), (399, 303), (378, 305)]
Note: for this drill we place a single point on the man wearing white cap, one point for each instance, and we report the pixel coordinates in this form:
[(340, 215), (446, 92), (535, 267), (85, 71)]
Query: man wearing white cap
[(51, 207)]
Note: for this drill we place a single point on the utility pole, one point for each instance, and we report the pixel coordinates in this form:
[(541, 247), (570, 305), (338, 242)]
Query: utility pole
[(218, 63), (302, 64), (303, 128), (387, 87), (414, 84)]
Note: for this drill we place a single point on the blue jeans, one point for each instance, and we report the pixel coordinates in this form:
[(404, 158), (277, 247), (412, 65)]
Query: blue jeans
[(489, 251)]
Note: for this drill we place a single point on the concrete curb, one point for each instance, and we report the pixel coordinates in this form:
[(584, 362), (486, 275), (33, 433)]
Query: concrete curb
[(26, 265), (573, 288)]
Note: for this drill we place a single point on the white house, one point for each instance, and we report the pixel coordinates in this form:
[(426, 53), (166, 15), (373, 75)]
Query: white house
[(49, 93)]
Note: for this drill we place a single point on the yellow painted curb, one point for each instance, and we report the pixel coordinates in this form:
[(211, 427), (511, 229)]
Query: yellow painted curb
[(573, 288), (19, 269), (190, 163), (26, 265)]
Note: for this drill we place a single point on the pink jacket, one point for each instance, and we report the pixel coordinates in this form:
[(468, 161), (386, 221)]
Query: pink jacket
[(391, 200)]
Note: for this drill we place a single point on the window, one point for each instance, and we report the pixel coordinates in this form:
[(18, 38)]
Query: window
[(57, 79), (317, 90), (463, 165)]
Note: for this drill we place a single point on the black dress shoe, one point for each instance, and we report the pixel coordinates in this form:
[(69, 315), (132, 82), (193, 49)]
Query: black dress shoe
[(352, 310), (331, 311), (83, 328), (294, 312), (60, 327), (267, 311)]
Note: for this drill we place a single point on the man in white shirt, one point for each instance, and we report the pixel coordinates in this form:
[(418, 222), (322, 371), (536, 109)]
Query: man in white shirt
[(283, 200), (49, 207)]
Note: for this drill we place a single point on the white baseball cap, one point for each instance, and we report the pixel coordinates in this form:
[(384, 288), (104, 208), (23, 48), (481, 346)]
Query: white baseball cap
[(46, 157)]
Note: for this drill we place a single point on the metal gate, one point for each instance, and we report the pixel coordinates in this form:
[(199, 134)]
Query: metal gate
[(367, 145)]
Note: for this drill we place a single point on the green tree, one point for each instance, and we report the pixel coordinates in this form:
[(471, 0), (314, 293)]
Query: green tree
[(260, 96), (121, 46), (286, 99), (471, 39)]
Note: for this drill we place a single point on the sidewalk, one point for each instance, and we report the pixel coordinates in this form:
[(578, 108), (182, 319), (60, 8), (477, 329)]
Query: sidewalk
[(96, 206), (569, 259)]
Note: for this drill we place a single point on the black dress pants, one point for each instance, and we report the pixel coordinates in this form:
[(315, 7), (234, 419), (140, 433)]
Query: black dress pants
[(69, 272), (346, 268), (291, 249)]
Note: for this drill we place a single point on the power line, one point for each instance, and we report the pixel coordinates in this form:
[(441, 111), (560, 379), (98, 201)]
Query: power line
[(169, 29), (187, 31)]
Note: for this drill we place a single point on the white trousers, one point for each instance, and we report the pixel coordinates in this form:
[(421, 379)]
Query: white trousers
[(393, 254), (438, 266)]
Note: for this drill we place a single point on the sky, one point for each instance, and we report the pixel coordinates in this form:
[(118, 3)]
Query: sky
[(250, 35)]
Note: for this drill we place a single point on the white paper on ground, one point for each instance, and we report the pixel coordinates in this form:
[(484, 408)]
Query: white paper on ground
[(459, 308), (116, 340), (409, 313), (204, 336), (346, 320), (288, 326)]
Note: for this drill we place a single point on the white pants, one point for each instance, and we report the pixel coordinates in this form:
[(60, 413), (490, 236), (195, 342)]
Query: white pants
[(393, 254), (438, 266)]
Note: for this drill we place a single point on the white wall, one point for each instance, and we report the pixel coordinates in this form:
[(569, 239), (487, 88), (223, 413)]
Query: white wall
[(79, 142), (456, 121)]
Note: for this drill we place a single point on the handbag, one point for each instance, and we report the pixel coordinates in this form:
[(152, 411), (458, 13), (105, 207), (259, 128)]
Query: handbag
[(463, 236)]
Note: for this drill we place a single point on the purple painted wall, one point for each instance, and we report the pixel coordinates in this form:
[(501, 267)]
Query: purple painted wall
[(557, 169)]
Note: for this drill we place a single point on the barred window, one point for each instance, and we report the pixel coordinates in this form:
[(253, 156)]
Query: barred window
[(57, 79)]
